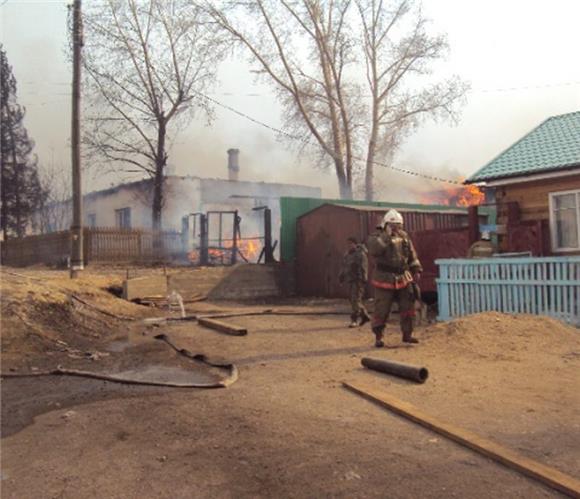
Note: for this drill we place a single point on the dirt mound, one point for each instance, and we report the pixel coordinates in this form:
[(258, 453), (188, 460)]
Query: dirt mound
[(504, 335), (46, 311)]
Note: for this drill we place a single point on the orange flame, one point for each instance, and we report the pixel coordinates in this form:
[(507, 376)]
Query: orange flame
[(250, 249), (466, 195)]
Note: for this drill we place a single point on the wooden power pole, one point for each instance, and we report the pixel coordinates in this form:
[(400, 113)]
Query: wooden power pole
[(76, 230)]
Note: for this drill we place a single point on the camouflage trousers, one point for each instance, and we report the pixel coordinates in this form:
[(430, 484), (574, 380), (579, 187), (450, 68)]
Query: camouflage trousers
[(384, 299), (356, 296)]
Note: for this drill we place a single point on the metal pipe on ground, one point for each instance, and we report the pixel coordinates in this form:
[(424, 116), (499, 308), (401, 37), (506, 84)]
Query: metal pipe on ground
[(408, 371)]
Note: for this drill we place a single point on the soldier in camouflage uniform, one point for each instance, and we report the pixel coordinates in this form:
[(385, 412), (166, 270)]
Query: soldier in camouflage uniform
[(396, 268), (354, 273)]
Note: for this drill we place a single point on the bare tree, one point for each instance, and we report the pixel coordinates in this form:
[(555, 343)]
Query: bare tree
[(316, 52), (397, 51), (55, 213), (145, 61), (308, 70)]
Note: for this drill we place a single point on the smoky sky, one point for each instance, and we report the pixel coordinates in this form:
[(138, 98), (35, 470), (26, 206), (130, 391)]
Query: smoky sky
[(520, 58)]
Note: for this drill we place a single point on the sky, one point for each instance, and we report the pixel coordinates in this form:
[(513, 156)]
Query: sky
[(520, 58)]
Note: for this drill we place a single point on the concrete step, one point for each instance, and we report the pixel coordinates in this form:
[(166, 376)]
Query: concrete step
[(239, 282)]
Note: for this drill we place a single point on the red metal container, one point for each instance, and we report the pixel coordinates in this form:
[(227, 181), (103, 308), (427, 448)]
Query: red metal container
[(322, 234)]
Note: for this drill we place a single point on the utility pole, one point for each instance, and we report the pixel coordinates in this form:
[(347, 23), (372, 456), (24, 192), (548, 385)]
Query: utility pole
[(76, 230)]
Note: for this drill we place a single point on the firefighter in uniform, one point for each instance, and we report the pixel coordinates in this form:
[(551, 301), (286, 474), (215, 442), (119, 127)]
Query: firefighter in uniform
[(396, 269), (354, 273), (483, 248)]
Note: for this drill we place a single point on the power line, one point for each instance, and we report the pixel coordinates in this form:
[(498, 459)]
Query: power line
[(472, 90), (378, 163), (296, 138)]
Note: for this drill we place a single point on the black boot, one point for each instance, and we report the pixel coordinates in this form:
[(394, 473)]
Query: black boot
[(407, 330), (365, 317), (408, 337), (379, 330)]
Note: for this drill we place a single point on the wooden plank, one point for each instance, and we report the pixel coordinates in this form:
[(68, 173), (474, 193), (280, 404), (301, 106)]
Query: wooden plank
[(538, 471), (222, 326)]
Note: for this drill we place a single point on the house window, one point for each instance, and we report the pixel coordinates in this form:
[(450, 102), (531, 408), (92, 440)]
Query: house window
[(565, 220), (92, 220), (123, 218)]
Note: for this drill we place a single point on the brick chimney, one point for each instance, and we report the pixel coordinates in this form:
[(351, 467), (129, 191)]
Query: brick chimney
[(233, 164)]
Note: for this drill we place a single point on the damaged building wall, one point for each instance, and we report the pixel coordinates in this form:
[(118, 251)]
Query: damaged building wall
[(218, 194), (102, 207), (129, 205)]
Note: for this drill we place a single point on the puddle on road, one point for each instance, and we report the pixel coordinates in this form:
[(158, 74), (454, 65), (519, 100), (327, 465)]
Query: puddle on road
[(25, 398)]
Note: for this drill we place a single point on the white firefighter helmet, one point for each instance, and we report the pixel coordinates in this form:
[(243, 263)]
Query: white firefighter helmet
[(392, 217)]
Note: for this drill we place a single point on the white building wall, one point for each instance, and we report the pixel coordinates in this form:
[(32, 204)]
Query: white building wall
[(104, 204), (181, 197), (186, 195)]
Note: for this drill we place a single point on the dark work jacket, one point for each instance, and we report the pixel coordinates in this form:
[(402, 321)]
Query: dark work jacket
[(395, 259)]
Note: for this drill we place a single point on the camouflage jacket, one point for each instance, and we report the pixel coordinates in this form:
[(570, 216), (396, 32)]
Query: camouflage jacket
[(355, 265), (395, 259)]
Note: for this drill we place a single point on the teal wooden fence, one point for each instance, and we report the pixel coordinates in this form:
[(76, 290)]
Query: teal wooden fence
[(541, 286)]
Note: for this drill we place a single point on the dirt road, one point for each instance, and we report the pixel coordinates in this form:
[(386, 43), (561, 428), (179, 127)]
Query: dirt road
[(288, 429)]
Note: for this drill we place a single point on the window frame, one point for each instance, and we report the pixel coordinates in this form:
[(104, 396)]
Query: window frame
[(91, 220), (553, 227), (119, 215)]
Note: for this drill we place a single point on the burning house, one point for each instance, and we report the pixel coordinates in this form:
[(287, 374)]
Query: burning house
[(467, 195), (128, 206)]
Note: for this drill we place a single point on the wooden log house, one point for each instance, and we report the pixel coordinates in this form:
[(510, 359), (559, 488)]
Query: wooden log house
[(535, 184)]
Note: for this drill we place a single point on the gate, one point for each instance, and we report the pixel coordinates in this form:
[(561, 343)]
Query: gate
[(215, 238)]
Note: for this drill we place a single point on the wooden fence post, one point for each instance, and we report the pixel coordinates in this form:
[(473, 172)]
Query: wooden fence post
[(473, 220), (443, 291)]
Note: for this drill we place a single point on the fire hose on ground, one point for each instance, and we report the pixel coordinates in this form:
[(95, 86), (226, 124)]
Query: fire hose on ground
[(222, 383)]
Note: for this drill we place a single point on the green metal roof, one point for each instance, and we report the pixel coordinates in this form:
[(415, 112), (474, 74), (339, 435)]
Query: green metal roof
[(553, 145)]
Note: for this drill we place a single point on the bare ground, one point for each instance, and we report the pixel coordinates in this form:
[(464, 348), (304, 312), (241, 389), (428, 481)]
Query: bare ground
[(287, 428)]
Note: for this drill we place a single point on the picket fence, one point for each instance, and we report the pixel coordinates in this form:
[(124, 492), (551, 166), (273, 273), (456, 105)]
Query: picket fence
[(101, 245), (541, 286)]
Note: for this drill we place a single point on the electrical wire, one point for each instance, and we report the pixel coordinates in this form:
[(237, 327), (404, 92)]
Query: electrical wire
[(310, 142)]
